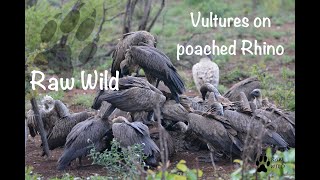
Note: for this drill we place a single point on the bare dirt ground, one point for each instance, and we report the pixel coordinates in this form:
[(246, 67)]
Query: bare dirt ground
[(47, 166)]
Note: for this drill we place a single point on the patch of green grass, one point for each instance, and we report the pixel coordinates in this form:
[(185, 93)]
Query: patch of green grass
[(57, 95), (29, 174), (287, 73), (291, 46), (287, 59), (83, 99), (221, 60), (268, 57), (105, 65), (222, 89), (234, 76), (278, 34)]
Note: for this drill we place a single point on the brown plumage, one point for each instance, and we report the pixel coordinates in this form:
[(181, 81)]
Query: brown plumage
[(207, 87), (192, 104), (216, 134), (157, 65), (134, 95), (50, 111), (130, 133), (173, 111), (245, 124), (246, 86), (93, 131), (62, 128), (285, 128), (155, 136), (129, 39)]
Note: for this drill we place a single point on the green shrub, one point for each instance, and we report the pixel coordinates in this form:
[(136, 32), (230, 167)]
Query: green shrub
[(180, 172), (120, 164), (30, 175)]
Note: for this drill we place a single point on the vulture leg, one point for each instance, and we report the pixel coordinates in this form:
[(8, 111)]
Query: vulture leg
[(157, 84), (80, 161), (212, 160)]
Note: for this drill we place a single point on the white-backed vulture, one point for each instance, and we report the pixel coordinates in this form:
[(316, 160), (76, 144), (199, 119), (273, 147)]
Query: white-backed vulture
[(129, 39), (205, 71), (50, 111)]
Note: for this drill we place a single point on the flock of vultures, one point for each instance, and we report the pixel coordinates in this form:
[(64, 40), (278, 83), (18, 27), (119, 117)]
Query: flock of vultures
[(240, 123)]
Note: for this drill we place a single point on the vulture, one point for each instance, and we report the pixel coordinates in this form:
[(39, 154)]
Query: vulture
[(129, 39), (256, 99), (155, 136), (205, 71), (134, 95), (207, 87), (283, 122), (246, 86), (94, 131), (63, 126), (218, 135), (50, 111), (130, 133), (242, 105), (172, 111), (156, 65), (255, 127)]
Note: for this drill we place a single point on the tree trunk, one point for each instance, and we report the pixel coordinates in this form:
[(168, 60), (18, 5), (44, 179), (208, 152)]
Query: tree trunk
[(43, 133), (145, 18)]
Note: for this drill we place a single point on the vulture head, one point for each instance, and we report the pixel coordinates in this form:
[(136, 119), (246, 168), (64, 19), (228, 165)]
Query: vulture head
[(48, 102), (217, 108), (124, 68), (119, 119), (97, 100), (256, 93), (145, 37), (208, 87)]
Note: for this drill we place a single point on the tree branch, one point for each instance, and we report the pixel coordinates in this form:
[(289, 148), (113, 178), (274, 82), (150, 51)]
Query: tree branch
[(157, 15), (39, 121), (144, 19)]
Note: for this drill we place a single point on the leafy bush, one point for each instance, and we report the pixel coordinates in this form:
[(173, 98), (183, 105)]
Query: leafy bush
[(123, 164), (180, 172), (29, 175)]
